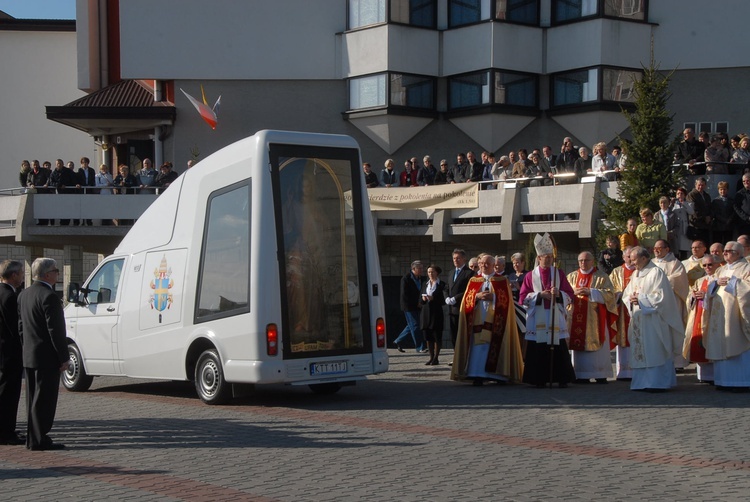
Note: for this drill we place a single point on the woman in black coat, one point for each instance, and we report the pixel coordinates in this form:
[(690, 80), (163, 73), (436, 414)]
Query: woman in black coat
[(431, 314)]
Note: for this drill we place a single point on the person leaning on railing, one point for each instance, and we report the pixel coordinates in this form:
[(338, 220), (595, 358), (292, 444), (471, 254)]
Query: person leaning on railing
[(23, 174)]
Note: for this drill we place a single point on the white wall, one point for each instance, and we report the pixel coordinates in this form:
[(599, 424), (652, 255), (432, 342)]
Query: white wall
[(230, 39), (38, 69), (699, 34)]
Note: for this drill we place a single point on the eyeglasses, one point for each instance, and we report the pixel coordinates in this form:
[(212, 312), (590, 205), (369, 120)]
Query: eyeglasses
[(708, 265)]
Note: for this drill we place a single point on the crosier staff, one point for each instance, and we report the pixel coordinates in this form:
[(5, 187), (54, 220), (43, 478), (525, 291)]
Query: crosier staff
[(554, 279)]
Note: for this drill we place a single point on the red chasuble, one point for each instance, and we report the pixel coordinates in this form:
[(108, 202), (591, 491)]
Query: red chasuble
[(697, 351), (581, 312)]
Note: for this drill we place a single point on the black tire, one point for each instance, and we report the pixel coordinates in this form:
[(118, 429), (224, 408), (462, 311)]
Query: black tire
[(209, 379), (325, 389), (75, 378)]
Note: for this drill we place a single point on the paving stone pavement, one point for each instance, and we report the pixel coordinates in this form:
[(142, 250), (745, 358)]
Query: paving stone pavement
[(408, 435)]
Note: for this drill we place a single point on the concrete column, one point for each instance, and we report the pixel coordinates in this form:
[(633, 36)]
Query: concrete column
[(72, 266), (30, 253)]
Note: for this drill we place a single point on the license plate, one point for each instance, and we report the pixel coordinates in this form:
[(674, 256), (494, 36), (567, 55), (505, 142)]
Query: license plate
[(328, 368)]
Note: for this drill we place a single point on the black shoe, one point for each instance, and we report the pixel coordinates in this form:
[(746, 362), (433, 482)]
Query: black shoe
[(434, 362), (398, 347), (428, 363), (13, 439), (478, 382), (582, 380), (423, 351), (601, 380), (48, 446)]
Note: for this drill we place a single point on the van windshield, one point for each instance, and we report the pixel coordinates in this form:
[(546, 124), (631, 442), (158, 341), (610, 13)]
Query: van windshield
[(323, 261)]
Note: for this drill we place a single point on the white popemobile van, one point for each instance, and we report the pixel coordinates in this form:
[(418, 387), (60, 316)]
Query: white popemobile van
[(258, 265)]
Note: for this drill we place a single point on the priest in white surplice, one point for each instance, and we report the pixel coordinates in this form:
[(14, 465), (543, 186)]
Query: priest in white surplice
[(728, 338), (656, 332), (678, 279)]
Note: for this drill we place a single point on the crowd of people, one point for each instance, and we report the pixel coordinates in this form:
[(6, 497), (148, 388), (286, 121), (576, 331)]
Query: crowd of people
[(542, 167), (543, 326), (65, 179)]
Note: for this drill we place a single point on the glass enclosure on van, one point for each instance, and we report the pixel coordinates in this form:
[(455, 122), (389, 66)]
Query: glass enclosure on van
[(324, 296)]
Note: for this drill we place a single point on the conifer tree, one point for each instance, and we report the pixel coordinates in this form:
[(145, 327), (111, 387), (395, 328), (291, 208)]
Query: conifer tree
[(649, 173)]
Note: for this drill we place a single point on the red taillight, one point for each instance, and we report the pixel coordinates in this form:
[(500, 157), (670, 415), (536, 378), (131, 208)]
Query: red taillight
[(380, 332), (272, 339)]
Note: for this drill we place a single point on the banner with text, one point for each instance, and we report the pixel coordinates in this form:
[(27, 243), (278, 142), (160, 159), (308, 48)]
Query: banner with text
[(454, 196)]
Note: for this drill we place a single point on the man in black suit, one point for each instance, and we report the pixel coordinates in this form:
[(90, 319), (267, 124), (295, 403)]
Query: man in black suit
[(45, 351), (410, 294), (11, 362), (85, 178), (458, 279)]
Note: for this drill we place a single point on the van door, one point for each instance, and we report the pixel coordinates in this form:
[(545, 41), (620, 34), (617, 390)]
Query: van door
[(98, 319)]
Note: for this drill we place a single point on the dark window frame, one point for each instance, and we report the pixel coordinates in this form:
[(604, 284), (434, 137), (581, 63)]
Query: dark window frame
[(599, 14), (197, 319), (493, 15), (389, 18), (597, 103), (509, 107), (388, 85), (277, 151)]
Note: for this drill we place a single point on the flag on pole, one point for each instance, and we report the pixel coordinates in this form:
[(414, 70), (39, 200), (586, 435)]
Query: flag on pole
[(210, 115)]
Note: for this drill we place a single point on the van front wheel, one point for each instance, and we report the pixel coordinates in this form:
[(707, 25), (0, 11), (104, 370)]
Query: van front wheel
[(209, 379), (75, 378)]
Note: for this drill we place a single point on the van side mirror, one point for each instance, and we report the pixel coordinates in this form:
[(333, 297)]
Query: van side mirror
[(105, 295), (73, 292)]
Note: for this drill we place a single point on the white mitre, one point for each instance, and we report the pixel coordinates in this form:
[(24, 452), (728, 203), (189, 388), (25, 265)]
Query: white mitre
[(543, 244)]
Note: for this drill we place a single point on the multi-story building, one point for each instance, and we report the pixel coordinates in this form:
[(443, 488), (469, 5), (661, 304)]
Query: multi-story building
[(404, 77)]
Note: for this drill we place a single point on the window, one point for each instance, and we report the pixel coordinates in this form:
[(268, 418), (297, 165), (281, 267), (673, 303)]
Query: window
[(461, 12), (515, 89), (708, 127), (412, 91), (224, 277), (594, 84), (421, 13), (322, 266), (474, 89), (102, 288), (367, 92), (567, 10), (619, 85), (469, 90), (517, 11), (414, 12), (630, 9), (408, 91), (574, 87), (366, 12), (571, 10)]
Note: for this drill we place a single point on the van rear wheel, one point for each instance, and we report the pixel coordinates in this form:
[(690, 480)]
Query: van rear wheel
[(75, 378), (325, 388), (209, 379)]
